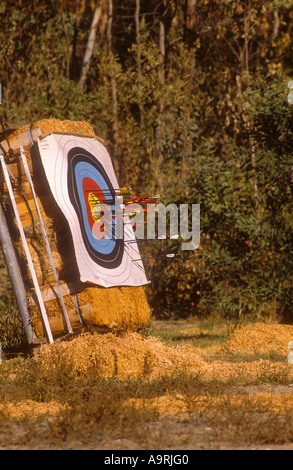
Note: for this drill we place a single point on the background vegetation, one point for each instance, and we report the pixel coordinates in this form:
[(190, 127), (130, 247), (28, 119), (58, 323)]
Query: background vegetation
[(191, 98)]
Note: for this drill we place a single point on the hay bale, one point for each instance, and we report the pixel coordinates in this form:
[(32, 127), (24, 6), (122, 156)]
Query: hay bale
[(116, 308), (46, 126), (70, 127), (120, 308)]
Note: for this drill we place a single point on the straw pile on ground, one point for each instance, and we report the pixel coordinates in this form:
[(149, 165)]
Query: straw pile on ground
[(71, 381), (261, 338), (131, 356), (127, 356), (120, 308)]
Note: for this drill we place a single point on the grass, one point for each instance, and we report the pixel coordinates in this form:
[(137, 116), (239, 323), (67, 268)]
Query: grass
[(247, 401), (202, 334)]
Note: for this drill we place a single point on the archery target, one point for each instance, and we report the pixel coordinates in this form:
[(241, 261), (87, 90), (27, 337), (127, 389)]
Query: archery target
[(83, 183)]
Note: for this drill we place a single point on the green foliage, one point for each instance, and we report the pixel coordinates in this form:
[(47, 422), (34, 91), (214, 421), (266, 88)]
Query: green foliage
[(244, 264)]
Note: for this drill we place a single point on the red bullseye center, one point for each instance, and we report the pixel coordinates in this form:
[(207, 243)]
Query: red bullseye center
[(95, 202)]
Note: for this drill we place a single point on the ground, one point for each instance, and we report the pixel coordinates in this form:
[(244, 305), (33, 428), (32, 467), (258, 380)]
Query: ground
[(180, 385)]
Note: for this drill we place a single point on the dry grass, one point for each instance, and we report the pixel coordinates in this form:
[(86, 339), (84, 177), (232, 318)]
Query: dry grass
[(135, 391)]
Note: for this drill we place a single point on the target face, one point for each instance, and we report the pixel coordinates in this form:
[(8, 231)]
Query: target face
[(90, 189), (82, 180)]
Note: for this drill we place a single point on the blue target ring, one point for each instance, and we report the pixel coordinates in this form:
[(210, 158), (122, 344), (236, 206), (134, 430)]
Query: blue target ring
[(85, 171)]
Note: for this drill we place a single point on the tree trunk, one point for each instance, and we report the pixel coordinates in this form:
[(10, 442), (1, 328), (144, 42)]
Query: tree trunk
[(276, 24), (90, 44), (114, 136), (139, 66), (161, 80), (74, 70), (189, 22), (68, 53), (162, 45), (290, 179)]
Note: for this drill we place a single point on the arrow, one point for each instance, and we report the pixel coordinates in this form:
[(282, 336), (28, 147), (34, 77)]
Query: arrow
[(170, 255)]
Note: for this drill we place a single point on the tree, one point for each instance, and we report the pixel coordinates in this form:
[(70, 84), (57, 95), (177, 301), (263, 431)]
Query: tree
[(90, 44), (139, 64), (189, 22), (114, 122)]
